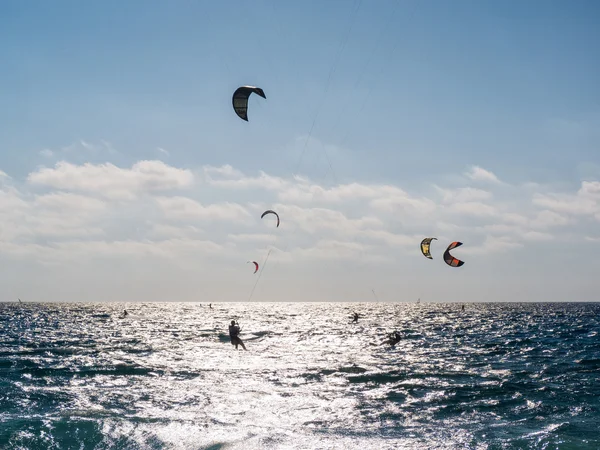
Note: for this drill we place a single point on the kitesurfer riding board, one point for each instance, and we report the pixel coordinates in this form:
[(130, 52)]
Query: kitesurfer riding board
[(234, 331)]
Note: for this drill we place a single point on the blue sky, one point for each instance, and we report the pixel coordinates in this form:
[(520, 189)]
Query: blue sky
[(476, 121)]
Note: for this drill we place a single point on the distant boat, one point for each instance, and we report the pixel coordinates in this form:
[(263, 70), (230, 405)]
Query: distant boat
[(419, 300), (19, 300)]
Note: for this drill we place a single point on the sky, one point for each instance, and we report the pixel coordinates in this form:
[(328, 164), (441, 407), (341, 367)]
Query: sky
[(125, 174)]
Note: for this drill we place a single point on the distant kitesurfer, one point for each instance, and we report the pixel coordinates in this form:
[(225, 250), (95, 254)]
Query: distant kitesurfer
[(210, 305), (125, 313), (393, 339), (463, 308), (234, 331), (355, 317)]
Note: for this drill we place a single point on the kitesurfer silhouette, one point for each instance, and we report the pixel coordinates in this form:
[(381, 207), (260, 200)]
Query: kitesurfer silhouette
[(393, 339), (234, 330)]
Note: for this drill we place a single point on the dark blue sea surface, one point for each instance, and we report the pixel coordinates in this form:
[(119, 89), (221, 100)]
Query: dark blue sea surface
[(494, 376)]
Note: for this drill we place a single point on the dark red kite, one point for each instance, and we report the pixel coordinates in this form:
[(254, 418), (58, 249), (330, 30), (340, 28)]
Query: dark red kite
[(255, 265), (451, 260)]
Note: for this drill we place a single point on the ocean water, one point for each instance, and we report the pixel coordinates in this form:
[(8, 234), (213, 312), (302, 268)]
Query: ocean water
[(494, 376)]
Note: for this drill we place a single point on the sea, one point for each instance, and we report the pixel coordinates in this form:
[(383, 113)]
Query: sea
[(166, 376)]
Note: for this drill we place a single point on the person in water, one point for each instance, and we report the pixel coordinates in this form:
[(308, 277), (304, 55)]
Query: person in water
[(125, 312), (355, 317), (393, 339), (234, 331)]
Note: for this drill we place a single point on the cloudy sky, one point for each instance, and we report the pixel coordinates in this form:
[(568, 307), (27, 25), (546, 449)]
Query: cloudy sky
[(126, 175)]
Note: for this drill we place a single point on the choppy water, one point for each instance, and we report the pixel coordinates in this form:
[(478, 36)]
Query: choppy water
[(496, 376)]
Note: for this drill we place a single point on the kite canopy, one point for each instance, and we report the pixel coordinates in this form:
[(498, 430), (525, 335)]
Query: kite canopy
[(425, 244), (255, 265), (240, 100), (269, 211), (451, 260)]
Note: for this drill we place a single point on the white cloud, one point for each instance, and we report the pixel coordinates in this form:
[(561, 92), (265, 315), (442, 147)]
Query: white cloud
[(57, 214), (389, 238), (313, 220), (565, 203), (337, 250), (85, 214), (183, 208), (305, 191), (67, 215), (163, 231), (465, 194), (547, 219), (477, 173), (514, 218), (163, 151), (477, 209), (11, 201), (67, 203), (399, 200), (227, 177), (586, 201), (86, 250), (537, 236), (111, 181), (247, 237), (83, 147), (86, 198), (590, 189), (491, 244), (226, 171), (502, 228), (170, 248), (86, 145)]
